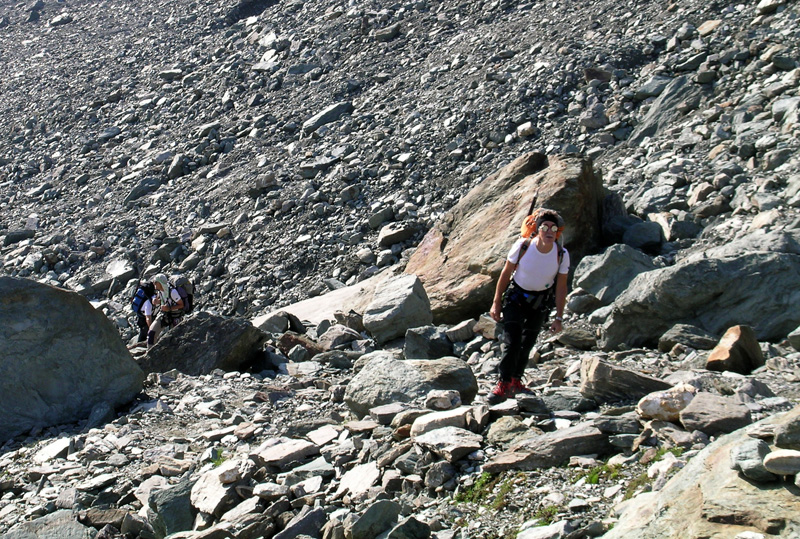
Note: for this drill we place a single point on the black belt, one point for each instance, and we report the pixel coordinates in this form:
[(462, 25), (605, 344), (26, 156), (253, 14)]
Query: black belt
[(534, 298)]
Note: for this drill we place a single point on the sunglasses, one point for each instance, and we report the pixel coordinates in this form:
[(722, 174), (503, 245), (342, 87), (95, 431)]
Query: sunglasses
[(549, 228)]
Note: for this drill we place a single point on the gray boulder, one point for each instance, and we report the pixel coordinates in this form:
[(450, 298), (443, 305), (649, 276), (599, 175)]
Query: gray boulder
[(59, 358), (686, 335), (378, 517), (385, 379), (787, 435), (646, 235), (330, 114), (713, 294), (794, 339), (550, 449), (58, 525), (715, 414), (748, 458), (607, 275), (450, 443), (172, 508), (307, 522), (567, 398), (401, 303), (427, 342), (204, 342), (757, 241)]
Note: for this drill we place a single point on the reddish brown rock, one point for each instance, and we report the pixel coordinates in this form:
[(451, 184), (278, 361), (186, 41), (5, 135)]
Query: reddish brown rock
[(737, 351), (460, 259)]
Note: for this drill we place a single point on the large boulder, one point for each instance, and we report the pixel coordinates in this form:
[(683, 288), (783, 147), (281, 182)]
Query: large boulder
[(61, 524), (715, 414), (355, 297), (386, 379), (713, 294), (399, 304), (460, 259), (708, 498), (59, 358), (204, 342), (606, 275)]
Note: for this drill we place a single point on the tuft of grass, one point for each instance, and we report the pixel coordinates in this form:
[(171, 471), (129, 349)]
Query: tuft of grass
[(546, 515), (640, 481), (500, 500), (479, 491), (218, 457), (677, 451), (593, 476), (492, 491)]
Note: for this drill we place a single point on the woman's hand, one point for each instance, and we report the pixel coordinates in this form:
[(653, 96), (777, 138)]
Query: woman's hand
[(556, 326), (496, 310)]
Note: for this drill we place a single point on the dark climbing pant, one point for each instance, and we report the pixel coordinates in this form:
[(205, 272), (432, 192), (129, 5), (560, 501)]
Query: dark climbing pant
[(524, 314), (141, 321)]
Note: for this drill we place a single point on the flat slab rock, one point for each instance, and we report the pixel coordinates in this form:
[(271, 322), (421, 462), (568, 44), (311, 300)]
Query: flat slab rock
[(550, 449), (450, 443)]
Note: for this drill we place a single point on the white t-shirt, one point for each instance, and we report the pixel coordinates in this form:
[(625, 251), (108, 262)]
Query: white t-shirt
[(147, 308), (537, 271), (174, 297)]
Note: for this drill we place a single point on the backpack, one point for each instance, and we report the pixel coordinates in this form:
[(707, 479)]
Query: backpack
[(186, 290), (145, 291)]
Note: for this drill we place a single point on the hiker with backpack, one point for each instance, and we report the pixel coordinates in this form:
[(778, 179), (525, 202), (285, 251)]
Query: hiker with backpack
[(169, 305), (532, 282), (142, 305)]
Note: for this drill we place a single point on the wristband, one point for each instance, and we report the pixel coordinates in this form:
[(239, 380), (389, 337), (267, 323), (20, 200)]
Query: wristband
[(560, 319)]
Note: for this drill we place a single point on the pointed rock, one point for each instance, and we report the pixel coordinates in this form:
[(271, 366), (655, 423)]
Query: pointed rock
[(737, 351), (460, 259)]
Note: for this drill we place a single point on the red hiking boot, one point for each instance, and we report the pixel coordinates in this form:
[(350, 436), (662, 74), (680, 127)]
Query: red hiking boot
[(518, 387), (500, 392)]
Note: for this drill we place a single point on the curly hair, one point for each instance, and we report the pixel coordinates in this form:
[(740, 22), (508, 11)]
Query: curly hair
[(549, 215)]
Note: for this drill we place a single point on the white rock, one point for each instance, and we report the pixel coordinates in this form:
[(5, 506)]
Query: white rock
[(666, 405), (783, 462), (359, 480)]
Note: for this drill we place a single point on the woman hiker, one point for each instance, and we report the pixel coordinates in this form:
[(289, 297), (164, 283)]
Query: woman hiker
[(533, 280)]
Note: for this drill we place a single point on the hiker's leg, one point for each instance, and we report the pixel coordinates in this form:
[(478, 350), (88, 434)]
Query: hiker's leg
[(511, 340), (531, 328), (155, 331), (141, 321)]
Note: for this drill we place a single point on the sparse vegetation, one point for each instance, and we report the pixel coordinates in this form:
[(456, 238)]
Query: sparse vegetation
[(677, 451), (638, 482), (479, 490), (546, 514), (501, 499), (483, 490), (593, 475), (218, 457)]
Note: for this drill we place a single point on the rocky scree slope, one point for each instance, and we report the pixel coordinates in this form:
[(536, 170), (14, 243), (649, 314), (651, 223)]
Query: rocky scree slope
[(280, 453), (282, 136)]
